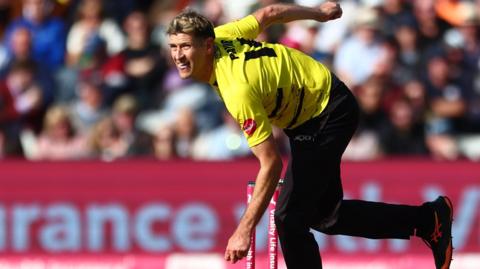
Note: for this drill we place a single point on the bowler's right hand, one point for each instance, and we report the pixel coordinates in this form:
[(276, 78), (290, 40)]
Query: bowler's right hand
[(330, 10)]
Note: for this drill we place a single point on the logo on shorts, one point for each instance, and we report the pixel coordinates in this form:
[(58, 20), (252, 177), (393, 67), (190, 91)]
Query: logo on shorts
[(249, 126), (304, 138)]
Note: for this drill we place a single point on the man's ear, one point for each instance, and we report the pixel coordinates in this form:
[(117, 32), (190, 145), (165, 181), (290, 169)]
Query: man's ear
[(210, 43)]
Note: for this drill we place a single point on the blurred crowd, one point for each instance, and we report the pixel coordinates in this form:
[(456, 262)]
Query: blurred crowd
[(92, 79)]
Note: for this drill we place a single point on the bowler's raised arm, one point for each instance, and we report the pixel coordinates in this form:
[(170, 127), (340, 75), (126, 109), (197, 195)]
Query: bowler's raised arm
[(283, 13)]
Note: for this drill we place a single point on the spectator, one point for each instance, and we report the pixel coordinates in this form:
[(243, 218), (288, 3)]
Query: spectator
[(431, 28), (363, 48), (91, 31), (370, 98), (59, 140), (387, 63), (185, 130), (446, 97), (20, 97), (138, 69), (106, 142), (447, 107), (20, 50), (470, 35), (48, 33), (469, 30), (164, 143), (365, 144), (409, 54), (124, 115), (90, 40), (402, 135), (465, 38), (21, 104), (88, 108), (415, 93), (394, 12)]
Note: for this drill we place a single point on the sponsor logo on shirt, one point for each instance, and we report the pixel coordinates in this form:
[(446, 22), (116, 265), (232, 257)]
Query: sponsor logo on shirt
[(230, 48), (249, 126)]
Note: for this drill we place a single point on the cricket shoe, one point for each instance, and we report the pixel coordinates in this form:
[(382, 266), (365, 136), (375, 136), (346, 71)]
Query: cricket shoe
[(439, 239)]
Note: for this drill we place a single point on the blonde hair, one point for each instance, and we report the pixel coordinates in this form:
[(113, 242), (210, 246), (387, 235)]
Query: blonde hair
[(126, 104), (105, 125), (193, 23), (55, 115)]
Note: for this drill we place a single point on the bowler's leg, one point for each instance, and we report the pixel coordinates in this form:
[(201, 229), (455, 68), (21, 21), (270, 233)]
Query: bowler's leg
[(299, 247), (378, 220), (312, 187)]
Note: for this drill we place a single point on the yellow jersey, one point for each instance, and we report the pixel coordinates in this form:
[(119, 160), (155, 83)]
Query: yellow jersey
[(263, 84)]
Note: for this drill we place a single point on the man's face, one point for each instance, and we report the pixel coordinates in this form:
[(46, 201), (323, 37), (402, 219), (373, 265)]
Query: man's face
[(34, 9), (21, 43), (191, 56)]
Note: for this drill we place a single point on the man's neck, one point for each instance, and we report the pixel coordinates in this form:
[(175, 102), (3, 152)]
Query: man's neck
[(207, 75)]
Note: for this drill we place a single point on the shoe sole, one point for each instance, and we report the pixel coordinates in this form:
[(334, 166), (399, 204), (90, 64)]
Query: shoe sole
[(448, 254)]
